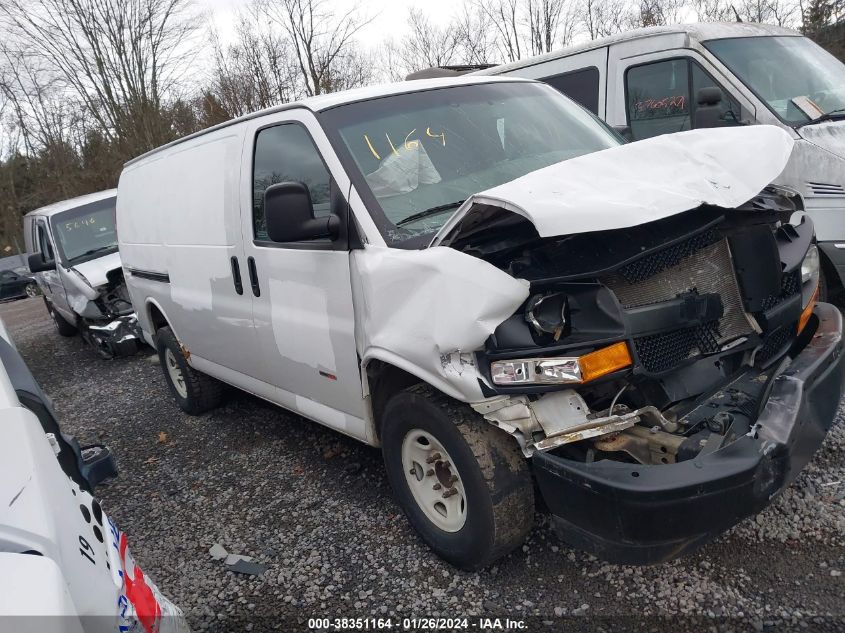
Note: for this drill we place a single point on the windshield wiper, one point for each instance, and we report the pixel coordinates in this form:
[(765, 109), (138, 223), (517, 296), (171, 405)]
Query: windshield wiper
[(93, 251), (429, 212), (833, 115)]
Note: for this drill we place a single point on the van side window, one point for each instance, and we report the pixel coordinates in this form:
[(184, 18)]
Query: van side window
[(44, 246), (287, 153), (658, 98), (579, 85), (661, 98)]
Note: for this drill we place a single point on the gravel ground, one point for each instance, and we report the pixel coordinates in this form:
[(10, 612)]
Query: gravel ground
[(316, 508)]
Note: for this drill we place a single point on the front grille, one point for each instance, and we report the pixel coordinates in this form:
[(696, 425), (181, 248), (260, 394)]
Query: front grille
[(654, 263), (790, 284), (706, 270), (774, 343), (661, 352)]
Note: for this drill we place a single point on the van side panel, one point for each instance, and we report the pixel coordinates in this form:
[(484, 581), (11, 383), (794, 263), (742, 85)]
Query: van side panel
[(553, 69), (179, 226)]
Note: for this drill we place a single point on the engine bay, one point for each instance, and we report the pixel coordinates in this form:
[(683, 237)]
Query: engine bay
[(649, 344)]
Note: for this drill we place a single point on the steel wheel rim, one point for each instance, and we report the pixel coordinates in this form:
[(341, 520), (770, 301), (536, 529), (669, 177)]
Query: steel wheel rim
[(434, 481), (175, 373), (30, 290)]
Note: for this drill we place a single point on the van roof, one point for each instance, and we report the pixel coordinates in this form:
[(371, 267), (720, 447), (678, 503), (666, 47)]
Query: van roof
[(72, 203), (344, 97), (701, 31)]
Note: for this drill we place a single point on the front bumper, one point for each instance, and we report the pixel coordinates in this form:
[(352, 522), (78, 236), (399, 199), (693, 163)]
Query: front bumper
[(636, 514), (119, 337)]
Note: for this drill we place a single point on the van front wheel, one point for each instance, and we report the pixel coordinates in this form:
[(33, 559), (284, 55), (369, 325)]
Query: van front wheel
[(463, 484), (63, 327), (195, 393)]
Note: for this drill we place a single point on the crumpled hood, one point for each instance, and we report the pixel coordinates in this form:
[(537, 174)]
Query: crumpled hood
[(95, 270), (641, 182), (829, 136)]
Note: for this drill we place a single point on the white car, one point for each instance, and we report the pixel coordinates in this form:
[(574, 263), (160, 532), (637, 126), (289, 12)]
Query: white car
[(477, 276), (74, 256), (65, 566)]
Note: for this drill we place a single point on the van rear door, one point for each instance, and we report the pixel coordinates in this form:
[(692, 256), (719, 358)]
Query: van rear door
[(301, 291)]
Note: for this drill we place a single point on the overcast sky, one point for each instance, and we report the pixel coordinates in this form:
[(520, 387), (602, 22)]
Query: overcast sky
[(389, 16)]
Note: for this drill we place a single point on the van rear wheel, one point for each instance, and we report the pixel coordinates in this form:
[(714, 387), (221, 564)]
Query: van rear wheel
[(63, 327), (195, 392), (463, 484)]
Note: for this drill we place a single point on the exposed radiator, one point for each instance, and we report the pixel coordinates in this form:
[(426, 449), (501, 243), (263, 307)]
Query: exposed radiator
[(707, 270)]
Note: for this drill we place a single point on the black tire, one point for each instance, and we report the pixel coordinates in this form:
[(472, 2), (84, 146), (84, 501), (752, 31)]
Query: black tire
[(62, 326), (202, 392), (31, 290), (494, 474)]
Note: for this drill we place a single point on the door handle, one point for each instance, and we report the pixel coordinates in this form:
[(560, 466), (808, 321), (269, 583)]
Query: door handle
[(253, 277), (236, 275)]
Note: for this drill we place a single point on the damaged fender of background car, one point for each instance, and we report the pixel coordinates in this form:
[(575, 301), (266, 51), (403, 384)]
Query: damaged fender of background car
[(636, 183), (86, 278), (428, 311)]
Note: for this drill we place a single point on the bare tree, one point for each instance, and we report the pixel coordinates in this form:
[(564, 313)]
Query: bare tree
[(322, 41), (604, 17), (119, 59), (543, 18), (475, 34), (781, 12), (504, 16), (256, 71), (657, 12), (713, 10)]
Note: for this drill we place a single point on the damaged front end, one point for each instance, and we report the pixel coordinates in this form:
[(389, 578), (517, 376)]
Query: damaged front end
[(100, 298), (643, 320), (666, 379)]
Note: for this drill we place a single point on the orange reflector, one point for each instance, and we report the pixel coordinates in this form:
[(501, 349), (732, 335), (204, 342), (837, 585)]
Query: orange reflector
[(805, 315), (604, 361)]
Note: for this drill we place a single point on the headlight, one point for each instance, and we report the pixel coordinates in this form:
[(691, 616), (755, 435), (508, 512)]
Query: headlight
[(558, 371), (547, 313), (809, 274)]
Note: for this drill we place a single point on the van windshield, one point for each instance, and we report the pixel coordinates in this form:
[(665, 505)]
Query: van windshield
[(782, 69), (416, 157), (86, 232)]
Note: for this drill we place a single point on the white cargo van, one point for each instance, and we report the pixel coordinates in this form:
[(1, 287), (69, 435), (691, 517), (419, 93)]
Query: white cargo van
[(72, 248), (479, 277), (659, 80)]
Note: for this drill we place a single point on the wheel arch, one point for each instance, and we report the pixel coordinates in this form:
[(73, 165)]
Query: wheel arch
[(385, 374), (156, 319)]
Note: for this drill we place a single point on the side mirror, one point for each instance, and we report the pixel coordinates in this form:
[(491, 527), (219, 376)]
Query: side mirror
[(37, 263), (290, 214)]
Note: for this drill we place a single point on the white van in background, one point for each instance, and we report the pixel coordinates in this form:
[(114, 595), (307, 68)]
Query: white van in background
[(659, 80), (72, 248)]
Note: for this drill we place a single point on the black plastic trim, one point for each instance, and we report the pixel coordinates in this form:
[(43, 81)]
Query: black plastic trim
[(150, 274)]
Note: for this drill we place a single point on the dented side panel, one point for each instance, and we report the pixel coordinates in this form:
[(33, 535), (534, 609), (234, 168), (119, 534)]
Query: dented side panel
[(428, 311)]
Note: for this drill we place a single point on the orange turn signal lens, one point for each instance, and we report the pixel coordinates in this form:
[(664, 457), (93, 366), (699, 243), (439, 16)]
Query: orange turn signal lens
[(808, 310), (604, 361)]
